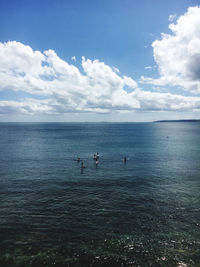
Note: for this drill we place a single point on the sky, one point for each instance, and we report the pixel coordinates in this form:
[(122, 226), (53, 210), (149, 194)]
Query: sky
[(92, 60)]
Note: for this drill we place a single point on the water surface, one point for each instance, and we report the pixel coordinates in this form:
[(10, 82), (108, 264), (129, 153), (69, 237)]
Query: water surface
[(142, 213)]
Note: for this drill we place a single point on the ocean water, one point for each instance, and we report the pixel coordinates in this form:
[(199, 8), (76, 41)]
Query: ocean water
[(145, 212)]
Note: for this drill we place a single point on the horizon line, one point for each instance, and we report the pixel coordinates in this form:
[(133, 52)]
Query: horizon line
[(167, 120)]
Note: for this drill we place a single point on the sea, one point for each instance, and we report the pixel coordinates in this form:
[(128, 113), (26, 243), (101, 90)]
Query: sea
[(144, 211)]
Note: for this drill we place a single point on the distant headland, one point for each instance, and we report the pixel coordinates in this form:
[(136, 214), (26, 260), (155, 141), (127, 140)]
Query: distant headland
[(194, 120)]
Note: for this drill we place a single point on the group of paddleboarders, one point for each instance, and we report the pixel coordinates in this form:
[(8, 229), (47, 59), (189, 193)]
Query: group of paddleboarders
[(96, 159)]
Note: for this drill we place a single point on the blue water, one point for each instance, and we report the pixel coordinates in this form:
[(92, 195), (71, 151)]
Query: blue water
[(142, 213)]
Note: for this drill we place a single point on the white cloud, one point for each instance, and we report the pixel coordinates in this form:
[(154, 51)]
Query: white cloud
[(73, 58), (27, 107), (172, 17), (64, 89), (67, 90), (148, 68), (155, 101), (116, 70), (178, 54)]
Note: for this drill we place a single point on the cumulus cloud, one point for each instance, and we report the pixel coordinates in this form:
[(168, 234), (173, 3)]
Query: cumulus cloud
[(27, 107), (156, 101), (63, 85), (53, 86), (178, 54)]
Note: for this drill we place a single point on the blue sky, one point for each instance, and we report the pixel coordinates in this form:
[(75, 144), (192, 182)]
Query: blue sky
[(115, 38)]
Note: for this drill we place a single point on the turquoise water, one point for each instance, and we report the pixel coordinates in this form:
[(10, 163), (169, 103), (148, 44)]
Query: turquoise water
[(142, 213)]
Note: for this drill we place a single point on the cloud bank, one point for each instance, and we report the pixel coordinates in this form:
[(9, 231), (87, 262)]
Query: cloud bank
[(178, 54), (65, 89), (53, 86)]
